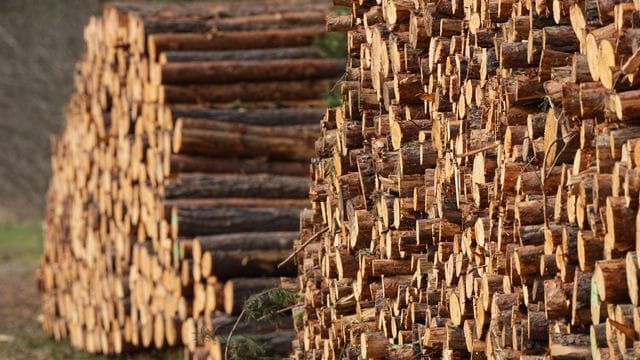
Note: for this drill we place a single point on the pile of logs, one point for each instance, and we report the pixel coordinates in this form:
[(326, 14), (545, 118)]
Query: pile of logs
[(476, 194), (181, 172)]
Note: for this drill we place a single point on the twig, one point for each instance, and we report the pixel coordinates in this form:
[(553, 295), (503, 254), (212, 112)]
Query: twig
[(476, 268), (338, 82), (279, 311), (473, 152), (235, 325), (342, 351), (544, 168), (544, 194), (555, 160), (303, 246), (416, 124)]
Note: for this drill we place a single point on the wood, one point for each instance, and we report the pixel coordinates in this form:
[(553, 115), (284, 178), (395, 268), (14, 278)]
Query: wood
[(238, 290), (212, 72), (216, 216), (473, 194), (497, 217), (197, 164), (182, 170), (245, 92), (221, 144), (223, 185), (243, 241), (236, 40), (226, 55)]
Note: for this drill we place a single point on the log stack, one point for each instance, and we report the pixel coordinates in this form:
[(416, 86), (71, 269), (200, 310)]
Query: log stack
[(479, 185), (180, 174)]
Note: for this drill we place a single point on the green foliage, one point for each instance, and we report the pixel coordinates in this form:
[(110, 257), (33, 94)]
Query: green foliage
[(342, 11), (298, 315), (20, 241), (332, 96), (204, 336), (545, 104), (332, 45), (363, 252), (330, 169), (245, 348), (178, 1), (236, 105), (421, 52), (269, 305)]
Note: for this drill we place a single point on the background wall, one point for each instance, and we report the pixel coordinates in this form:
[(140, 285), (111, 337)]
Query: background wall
[(40, 40)]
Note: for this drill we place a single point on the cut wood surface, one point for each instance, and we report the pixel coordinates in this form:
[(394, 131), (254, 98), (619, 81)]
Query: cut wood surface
[(181, 172), (479, 185)]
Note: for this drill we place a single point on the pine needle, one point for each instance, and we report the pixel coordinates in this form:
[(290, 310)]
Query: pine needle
[(333, 45), (268, 304), (264, 306)]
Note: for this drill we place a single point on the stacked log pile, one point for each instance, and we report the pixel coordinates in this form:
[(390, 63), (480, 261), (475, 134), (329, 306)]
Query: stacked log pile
[(182, 169), (478, 186)]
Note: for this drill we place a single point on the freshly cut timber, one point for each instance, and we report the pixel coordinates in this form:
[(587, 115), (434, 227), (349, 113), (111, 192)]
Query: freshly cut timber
[(216, 216), (221, 71), (181, 173), (244, 92), (274, 240), (238, 144), (475, 195), (235, 185), (232, 40), (283, 117)]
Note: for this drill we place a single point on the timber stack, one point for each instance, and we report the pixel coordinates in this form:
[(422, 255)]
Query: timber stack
[(180, 174), (475, 196)]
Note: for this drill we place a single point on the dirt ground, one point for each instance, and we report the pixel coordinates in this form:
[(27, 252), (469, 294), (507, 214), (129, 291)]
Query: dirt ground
[(20, 334)]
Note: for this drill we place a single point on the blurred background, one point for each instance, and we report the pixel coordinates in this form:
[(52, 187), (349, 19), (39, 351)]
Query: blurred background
[(40, 41)]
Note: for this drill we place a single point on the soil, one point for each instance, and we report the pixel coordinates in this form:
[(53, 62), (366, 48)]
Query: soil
[(21, 336)]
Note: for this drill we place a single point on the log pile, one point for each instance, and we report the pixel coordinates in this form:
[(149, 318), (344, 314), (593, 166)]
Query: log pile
[(479, 184), (182, 169)]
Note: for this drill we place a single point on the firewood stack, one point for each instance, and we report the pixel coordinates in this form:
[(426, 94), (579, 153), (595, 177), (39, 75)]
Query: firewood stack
[(182, 169), (476, 194)]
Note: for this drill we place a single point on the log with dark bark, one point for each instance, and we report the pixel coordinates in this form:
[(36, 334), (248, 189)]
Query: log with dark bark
[(218, 216), (232, 185), (233, 40), (489, 191), (238, 144), (276, 240), (214, 72), (182, 166), (200, 164)]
